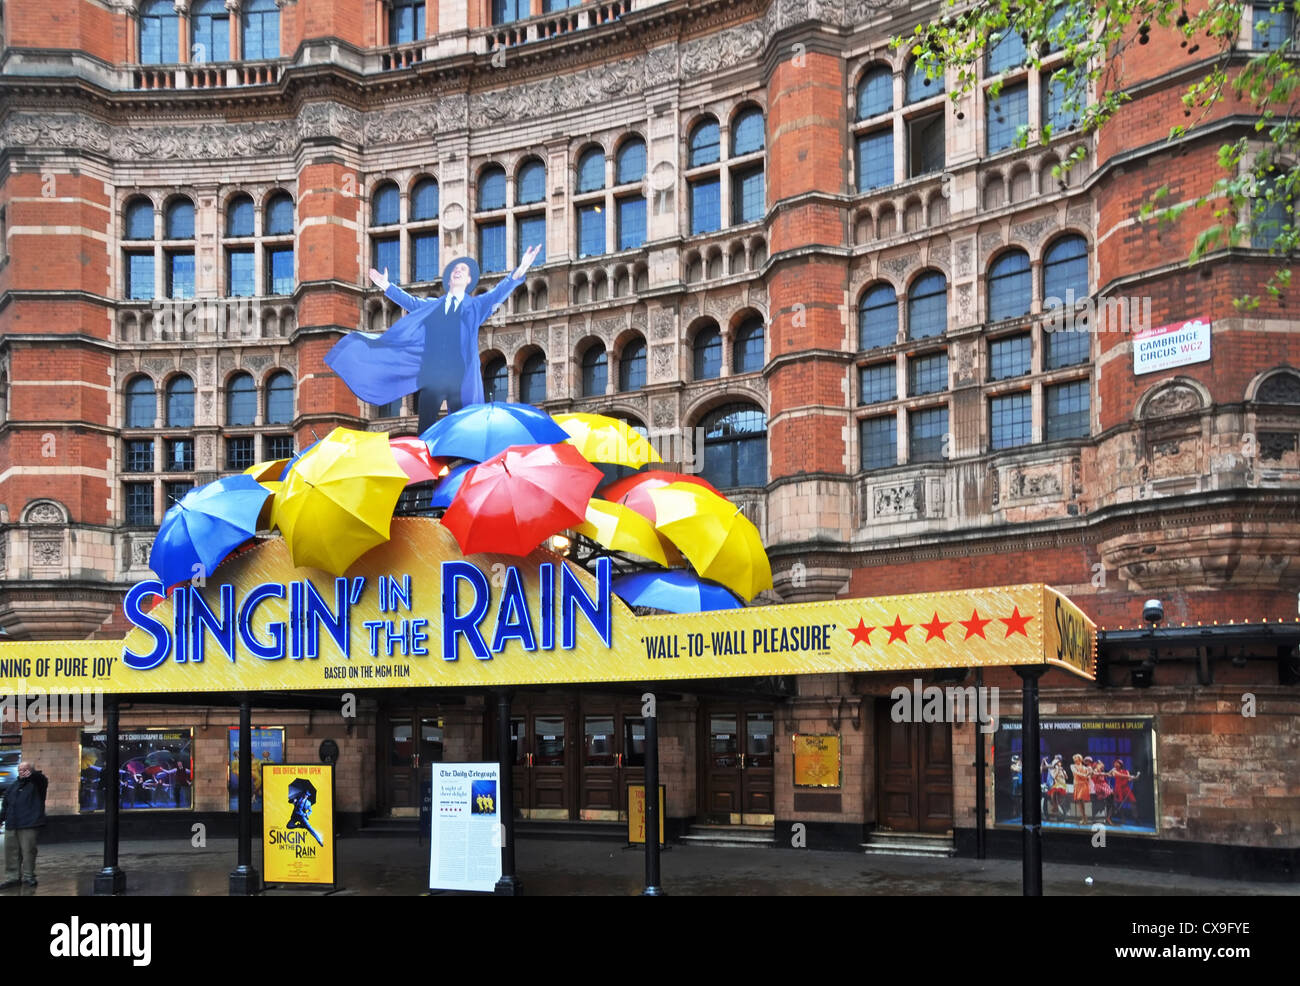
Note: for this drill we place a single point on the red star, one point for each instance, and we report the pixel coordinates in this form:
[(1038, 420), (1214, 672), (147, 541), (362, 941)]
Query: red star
[(1016, 623), (935, 628), (898, 631), (975, 626), (861, 633)]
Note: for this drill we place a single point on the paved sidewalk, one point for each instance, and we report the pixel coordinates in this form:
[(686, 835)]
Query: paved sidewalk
[(398, 866)]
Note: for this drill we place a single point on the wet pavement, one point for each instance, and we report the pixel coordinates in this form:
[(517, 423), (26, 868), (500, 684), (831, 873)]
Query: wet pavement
[(398, 866)]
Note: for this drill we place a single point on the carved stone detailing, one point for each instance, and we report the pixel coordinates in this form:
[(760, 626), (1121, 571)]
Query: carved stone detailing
[(1175, 457), (409, 123), (226, 362), (639, 321), (1173, 399), (965, 361), (47, 552), (557, 381), (158, 366), (4, 556), (1076, 479), (453, 216), (557, 339), (1031, 231), (45, 512), (196, 142), (965, 304), (989, 242), (1025, 485), (1275, 444), (663, 357), (661, 64), (893, 501), (607, 328), (508, 342), (663, 413), (1165, 448), (207, 457), (726, 48), (995, 487), (256, 364), (663, 323), (719, 308), (853, 12), (554, 94), (207, 405), (208, 373), (140, 549), (327, 119), (1080, 215), (963, 267), (898, 266)]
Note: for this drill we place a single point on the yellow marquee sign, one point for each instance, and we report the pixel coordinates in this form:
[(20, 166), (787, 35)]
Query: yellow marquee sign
[(415, 612)]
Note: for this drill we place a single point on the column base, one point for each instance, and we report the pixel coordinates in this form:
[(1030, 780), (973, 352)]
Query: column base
[(110, 882), (508, 886), (245, 882)]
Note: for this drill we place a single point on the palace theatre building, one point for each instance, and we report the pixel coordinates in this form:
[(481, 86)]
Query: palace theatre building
[(796, 265)]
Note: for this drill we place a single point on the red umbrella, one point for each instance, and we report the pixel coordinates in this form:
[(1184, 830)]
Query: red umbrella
[(413, 458), (634, 491), (515, 500)]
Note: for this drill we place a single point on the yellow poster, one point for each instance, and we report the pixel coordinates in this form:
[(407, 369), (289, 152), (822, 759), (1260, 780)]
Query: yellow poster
[(816, 760), (298, 823), (636, 814)]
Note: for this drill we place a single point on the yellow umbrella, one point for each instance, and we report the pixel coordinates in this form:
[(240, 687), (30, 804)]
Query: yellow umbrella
[(604, 439), (716, 538), (337, 502), (270, 469), (268, 508), (621, 528)]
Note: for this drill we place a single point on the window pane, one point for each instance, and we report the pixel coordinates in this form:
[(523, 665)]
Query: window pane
[(496, 381), (239, 453), (1009, 357), (747, 354), (180, 403), (706, 206), (504, 11), (492, 246), (139, 455), (180, 275), (392, 409), (917, 86), (406, 22), (927, 307), (747, 197), (532, 382), (1067, 410), (424, 257), (747, 132), (926, 146), (530, 230), (594, 371), (591, 231), (1008, 51), (240, 280), (591, 171), (1005, 115), (879, 440), (241, 401), (1065, 272), (927, 433), (180, 220), (631, 223), (875, 160), (424, 199), (1271, 30), (261, 30), (279, 216), (174, 493), (180, 455), (139, 276), (139, 220), (878, 318), (1010, 421), (735, 446), (631, 162), (279, 271), (927, 374), (877, 383), (211, 25), (277, 447), (239, 217), (139, 504), (1009, 286), (386, 255), (386, 205), (141, 404), (1055, 97), (704, 144), (708, 355), (531, 184), (1066, 347), (631, 367), (159, 33), (875, 93), (492, 189), (279, 399)]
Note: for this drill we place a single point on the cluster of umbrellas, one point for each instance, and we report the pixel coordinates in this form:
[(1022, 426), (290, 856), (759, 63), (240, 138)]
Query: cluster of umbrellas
[(509, 477)]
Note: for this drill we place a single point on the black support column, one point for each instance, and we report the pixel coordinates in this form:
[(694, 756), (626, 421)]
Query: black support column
[(508, 885), (1030, 794), (244, 880), (652, 887), (111, 879)]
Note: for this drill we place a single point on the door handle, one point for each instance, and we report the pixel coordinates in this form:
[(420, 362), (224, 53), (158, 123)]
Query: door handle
[(618, 760), (742, 761)]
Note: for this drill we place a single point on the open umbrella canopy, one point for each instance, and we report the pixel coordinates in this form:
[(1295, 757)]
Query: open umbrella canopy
[(480, 431), (622, 529), (634, 491), (716, 538), (290, 463), (601, 438), (515, 500), (269, 470), (205, 526), (338, 501), (447, 489), (676, 592), (413, 458)]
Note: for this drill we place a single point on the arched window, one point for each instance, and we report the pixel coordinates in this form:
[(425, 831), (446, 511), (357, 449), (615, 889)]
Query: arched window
[(1065, 270), (159, 33), (704, 144), (530, 185), (1010, 287), (1280, 388), (386, 205), (139, 219), (631, 366), (532, 380), (878, 317), (591, 170), (279, 398), (496, 381), (492, 188), (180, 220), (747, 131), (595, 371), (424, 200), (279, 215), (707, 354), (141, 403), (180, 402), (1005, 52), (735, 446), (875, 92), (927, 306), (630, 163), (261, 24), (241, 401), (917, 86), (747, 351), (239, 216), (210, 22)]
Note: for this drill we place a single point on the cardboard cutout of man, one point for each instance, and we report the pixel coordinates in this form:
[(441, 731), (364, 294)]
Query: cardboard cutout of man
[(432, 349)]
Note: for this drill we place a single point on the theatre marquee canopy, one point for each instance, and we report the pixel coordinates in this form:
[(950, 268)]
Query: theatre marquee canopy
[(415, 612)]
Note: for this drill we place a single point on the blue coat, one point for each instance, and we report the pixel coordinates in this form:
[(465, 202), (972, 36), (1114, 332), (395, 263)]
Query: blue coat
[(380, 367)]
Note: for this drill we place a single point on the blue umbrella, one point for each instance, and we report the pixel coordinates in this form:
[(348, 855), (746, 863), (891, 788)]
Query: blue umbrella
[(676, 592), (206, 526), (449, 486), (284, 473), (481, 431)]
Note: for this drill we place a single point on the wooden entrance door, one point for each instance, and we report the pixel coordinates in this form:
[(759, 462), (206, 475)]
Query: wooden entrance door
[(914, 774), (412, 741), (736, 763), (542, 745), (613, 756)]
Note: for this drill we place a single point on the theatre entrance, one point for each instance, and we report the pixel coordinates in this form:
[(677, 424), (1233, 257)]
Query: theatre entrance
[(736, 761), (411, 739), (914, 774)]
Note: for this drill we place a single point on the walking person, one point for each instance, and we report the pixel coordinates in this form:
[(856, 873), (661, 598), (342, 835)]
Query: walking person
[(23, 814)]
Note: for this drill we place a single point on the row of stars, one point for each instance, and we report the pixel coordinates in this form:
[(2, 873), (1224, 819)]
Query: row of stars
[(935, 628)]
